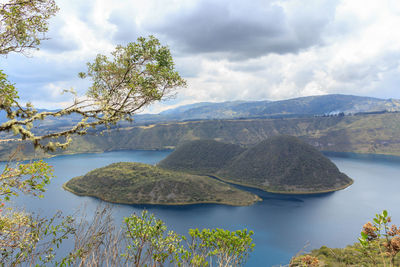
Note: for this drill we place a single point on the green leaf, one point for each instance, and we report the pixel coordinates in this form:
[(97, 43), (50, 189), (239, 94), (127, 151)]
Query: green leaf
[(364, 235), (384, 213)]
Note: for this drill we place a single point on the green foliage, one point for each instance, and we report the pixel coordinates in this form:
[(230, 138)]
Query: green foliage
[(138, 75), (24, 24), (138, 71), (30, 178), (379, 235), (149, 244), (136, 183), (379, 245), (28, 240), (8, 92), (225, 248)]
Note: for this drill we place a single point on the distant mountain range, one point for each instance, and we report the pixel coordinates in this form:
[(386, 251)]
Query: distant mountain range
[(296, 107)]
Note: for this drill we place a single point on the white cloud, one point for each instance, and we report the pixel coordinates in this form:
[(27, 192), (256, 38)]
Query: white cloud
[(348, 47)]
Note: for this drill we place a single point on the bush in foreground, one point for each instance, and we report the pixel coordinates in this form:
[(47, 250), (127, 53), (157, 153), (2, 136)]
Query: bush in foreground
[(379, 245)]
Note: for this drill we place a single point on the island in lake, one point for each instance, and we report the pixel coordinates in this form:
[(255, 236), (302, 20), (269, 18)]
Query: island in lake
[(282, 164), (137, 183), (202, 171)]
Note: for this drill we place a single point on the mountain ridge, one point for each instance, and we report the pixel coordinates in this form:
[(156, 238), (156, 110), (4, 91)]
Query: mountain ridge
[(295, 107)]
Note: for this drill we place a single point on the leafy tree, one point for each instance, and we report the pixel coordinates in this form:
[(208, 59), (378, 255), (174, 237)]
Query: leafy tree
[(30, 240), (149, 244), (225, 248), (24, 24), (135, 76)]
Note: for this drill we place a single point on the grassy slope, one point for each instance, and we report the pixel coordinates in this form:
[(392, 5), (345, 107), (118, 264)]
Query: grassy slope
[(136, 183), (279, 164), (201, 156), (375, 133), (285, 164)]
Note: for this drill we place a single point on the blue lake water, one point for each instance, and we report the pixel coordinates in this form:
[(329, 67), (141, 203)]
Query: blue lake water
[(283, 224)]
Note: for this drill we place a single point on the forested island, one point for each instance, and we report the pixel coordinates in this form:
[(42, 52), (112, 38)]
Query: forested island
[(282, 164)]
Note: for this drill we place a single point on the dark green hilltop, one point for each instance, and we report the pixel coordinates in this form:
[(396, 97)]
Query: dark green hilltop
[(137, 183), (201, 156), (282, 164)]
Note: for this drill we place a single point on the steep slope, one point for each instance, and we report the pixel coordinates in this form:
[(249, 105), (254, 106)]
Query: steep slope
[(136, 183), (285, 164), (201, 156), (366, 133)]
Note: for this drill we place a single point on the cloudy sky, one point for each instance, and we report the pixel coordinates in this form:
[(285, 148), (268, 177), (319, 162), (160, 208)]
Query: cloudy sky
[(226, 49)]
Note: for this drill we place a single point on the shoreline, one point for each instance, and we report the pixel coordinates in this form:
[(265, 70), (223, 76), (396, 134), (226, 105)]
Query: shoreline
[(340, 154), (256, 199), (87, 152), (282, 192)]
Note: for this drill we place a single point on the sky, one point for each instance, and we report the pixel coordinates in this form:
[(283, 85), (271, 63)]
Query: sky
[(226, 49)]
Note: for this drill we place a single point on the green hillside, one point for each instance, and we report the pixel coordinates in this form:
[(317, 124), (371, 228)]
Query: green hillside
[(374, 133), (282, 164), (136, 183), (285, 164), (201, 156), (368, 133)]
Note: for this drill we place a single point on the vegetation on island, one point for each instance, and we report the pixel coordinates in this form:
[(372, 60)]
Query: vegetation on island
[(279, 164), (285, 164), (137, 183), (201, 156)]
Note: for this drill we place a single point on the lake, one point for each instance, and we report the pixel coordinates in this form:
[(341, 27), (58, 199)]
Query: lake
[(283, 224)]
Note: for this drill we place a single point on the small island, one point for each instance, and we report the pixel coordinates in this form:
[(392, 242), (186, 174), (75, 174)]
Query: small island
[(205, 171), (280, 164), (137, 183)]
